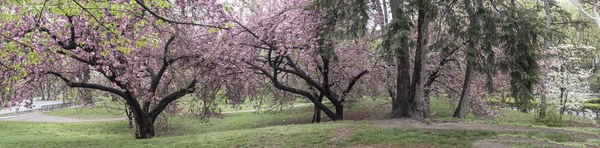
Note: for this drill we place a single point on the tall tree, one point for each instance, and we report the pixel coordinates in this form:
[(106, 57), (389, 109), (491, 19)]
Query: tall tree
[(311, 51), (472, 41), (149, 56), (543, 99)]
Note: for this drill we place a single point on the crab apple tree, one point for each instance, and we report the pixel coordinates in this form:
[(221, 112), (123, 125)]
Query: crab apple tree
[(149, 53), (288, 43)]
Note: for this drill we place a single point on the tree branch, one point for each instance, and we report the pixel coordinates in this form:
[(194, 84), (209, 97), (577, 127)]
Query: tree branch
[(87, 85), (156, 110), (353, 81), (161, 72), (141, 3)]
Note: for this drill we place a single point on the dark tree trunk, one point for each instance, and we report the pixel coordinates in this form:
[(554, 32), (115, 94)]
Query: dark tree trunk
[(563, 100), (339, 111), (409, 99), (43, 91), (144, 127), (401, 106), (470, 58), (317, 114), (129, 114), (48, 91), (420, 59), (464, 97)]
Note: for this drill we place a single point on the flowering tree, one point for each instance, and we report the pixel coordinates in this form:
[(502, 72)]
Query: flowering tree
[(148, 53), (292, 44), (567, 75)]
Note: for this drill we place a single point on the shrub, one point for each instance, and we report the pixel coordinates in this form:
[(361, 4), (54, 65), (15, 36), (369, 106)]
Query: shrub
[(552, 118), (593, 101), (591, 106)]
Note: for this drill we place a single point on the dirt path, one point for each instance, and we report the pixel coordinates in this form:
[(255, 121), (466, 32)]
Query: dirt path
[(38, 117), (495, 142)]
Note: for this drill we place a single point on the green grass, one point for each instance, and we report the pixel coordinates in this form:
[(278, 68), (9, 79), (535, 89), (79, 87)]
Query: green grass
[(556, 137), (419, 138), (116, 134), (102, 110), (240, 129), (286, 128)]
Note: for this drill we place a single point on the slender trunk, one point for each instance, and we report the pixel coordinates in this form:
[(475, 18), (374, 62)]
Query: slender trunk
[(317, 112), (564, 105), (545, 75), (470, 58), (339, 111), (129, 114), (48, 89), (43, 91), (562, 100), (420, 60), (86, 94), (464, 96)]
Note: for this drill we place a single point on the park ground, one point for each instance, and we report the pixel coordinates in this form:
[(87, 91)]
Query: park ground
[(366, 126)]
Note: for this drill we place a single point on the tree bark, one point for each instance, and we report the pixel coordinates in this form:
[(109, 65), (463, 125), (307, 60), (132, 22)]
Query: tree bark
[(409, 92), (86, 94), (317, 114), (420, 59), (470, 58), (543, 99), (563, 99), (401, 106), (464, 97), (144, 126)]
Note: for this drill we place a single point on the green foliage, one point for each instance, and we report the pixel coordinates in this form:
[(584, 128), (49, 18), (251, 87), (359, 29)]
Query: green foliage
[(591, 106), (509, 100), (522, 31), (396, 39), (351, 16), (595, 101), (552, 118)]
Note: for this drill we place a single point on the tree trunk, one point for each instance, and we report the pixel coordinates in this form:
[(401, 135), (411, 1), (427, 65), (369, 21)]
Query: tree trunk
[(464, 96), (420, 59), (144, 127), (470, 58), (545, 75), (401, 106), (317, 114), (86, 94), (339, 111), (129, 114), (562, 99), (144, 124)]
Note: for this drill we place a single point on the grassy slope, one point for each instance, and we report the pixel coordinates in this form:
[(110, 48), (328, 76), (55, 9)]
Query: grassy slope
[(279, 129)]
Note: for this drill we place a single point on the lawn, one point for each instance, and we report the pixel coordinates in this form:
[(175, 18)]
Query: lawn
[(286, 128), (105, 109)]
